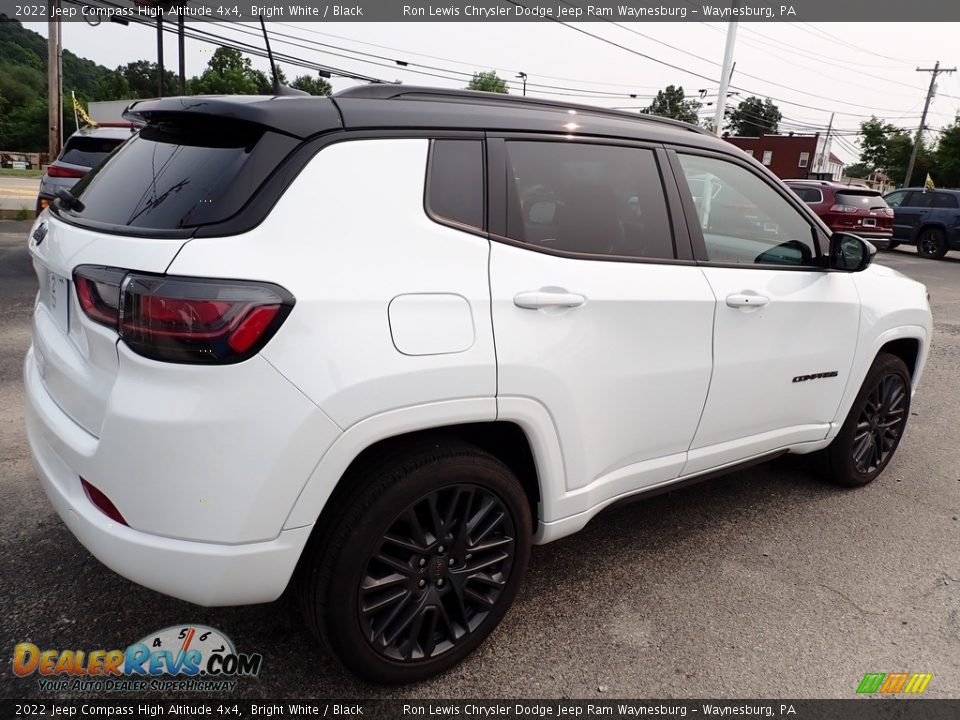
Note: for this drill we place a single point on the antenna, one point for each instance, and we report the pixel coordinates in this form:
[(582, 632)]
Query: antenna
[(278, 89)]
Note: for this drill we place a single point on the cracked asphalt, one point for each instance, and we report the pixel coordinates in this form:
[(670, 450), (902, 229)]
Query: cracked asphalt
[(765, 583)]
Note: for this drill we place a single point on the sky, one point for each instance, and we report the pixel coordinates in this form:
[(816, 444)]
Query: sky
[(809, 69)]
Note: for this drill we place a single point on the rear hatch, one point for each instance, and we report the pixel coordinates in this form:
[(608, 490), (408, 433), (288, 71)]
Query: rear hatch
[(860, 210), (133, 214)]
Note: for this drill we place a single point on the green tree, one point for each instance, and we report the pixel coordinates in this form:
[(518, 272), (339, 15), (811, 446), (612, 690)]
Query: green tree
[(671, 102), (947, 156), (312, 85), (753, 117), (230, 73), (857, 170), (141, 77), (488, 82), (114, 86), (888, 148)]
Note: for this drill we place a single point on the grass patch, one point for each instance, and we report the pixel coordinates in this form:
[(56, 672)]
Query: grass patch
[(10, 172), (23, 214)]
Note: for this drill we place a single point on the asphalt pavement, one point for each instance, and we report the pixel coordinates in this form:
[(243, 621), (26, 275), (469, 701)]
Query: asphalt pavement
[(764, 583)]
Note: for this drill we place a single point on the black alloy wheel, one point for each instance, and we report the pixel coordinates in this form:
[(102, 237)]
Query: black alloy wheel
[(418, 559), (932, 243), (880, 425), (436, 574), (874, 426)]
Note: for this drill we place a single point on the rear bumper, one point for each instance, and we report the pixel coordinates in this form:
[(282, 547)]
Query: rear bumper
[(204, 573), (880, 240)]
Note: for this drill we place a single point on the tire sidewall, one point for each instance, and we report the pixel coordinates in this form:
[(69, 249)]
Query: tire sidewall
[(941, 242)]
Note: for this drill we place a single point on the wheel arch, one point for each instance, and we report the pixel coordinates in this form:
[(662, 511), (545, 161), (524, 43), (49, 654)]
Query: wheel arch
[(905, 348), (928, 225), (464, 421)]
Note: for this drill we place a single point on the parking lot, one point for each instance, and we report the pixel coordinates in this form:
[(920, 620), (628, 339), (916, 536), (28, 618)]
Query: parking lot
[(764, 583)]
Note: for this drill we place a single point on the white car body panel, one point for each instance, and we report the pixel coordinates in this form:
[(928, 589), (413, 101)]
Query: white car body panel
[(345, 264), (624, 375), (809, 325)]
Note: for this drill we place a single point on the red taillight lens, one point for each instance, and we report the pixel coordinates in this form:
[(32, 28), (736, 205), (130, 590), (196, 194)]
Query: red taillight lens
[(98, 290), (197, 320), (843, 209), (189, 320), (102, 502), (64, 172)]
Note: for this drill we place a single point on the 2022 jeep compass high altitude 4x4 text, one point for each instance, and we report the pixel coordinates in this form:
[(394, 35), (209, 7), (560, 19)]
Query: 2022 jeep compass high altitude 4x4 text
[(377, 345)]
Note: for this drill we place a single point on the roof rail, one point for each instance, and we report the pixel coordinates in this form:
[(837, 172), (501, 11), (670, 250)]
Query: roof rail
[(385, 91)]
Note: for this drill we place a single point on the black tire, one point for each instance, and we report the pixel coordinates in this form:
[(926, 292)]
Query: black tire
[(874, 427), (932, 243), (893, 245), (459, 527)]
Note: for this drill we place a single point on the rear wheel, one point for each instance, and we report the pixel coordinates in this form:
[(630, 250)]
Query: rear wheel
[(420, 565), (932, 243), (873, 428), (893, 244)]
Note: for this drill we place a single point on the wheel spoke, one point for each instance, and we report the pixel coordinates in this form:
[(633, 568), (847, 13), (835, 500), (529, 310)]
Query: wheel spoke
[(441, 566)]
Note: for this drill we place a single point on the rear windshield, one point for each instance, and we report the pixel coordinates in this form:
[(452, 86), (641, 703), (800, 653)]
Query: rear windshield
[(88, 151), (861, 200), (176, 175)]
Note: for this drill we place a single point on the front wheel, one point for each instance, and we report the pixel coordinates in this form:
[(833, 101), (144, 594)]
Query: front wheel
[(932, 243), (873, 428), (420, 564)]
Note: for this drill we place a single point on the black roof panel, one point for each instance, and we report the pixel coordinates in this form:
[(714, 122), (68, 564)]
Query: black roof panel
[(409, 107)]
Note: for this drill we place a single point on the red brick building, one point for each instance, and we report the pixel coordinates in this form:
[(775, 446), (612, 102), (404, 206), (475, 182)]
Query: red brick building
[(788, 156)]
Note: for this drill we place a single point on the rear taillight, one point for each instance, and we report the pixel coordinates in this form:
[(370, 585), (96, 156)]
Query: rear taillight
[(98, 290), (843, 209), (186, 320), (64, 172)]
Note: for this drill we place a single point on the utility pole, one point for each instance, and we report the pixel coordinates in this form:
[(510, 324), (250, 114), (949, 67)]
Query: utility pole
[(825, 155), (725, 74), (934, 71), (159, 52), (54, 114), (181, 53)]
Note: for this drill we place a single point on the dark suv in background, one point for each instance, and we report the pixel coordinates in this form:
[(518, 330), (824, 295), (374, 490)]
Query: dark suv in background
[(928, 218), (848, 208)]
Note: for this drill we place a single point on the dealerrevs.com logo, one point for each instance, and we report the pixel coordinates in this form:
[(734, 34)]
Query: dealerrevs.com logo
[(178, 658)]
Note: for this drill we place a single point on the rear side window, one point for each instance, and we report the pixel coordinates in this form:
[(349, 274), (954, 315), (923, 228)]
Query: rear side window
[(811, 196), (88, 151), (587, 199), (943, 200), (861, 200), (455, 182), (174, 176)]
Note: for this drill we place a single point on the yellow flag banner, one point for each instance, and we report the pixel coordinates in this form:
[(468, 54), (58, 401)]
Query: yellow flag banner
[(87, 120), (928, 185)]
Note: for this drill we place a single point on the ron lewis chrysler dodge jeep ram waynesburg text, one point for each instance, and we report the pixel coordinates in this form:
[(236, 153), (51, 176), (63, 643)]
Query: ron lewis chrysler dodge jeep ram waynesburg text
[(377, 345)]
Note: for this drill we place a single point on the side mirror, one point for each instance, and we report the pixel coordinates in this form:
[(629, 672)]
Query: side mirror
[(850, 252)]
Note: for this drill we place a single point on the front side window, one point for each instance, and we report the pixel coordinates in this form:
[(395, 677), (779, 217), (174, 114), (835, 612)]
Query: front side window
[(455, 188), (895, 199), (743, 219), (587, 199)]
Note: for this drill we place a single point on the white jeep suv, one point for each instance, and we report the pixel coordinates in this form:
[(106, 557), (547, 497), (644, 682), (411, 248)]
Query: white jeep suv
[(374, 346)]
